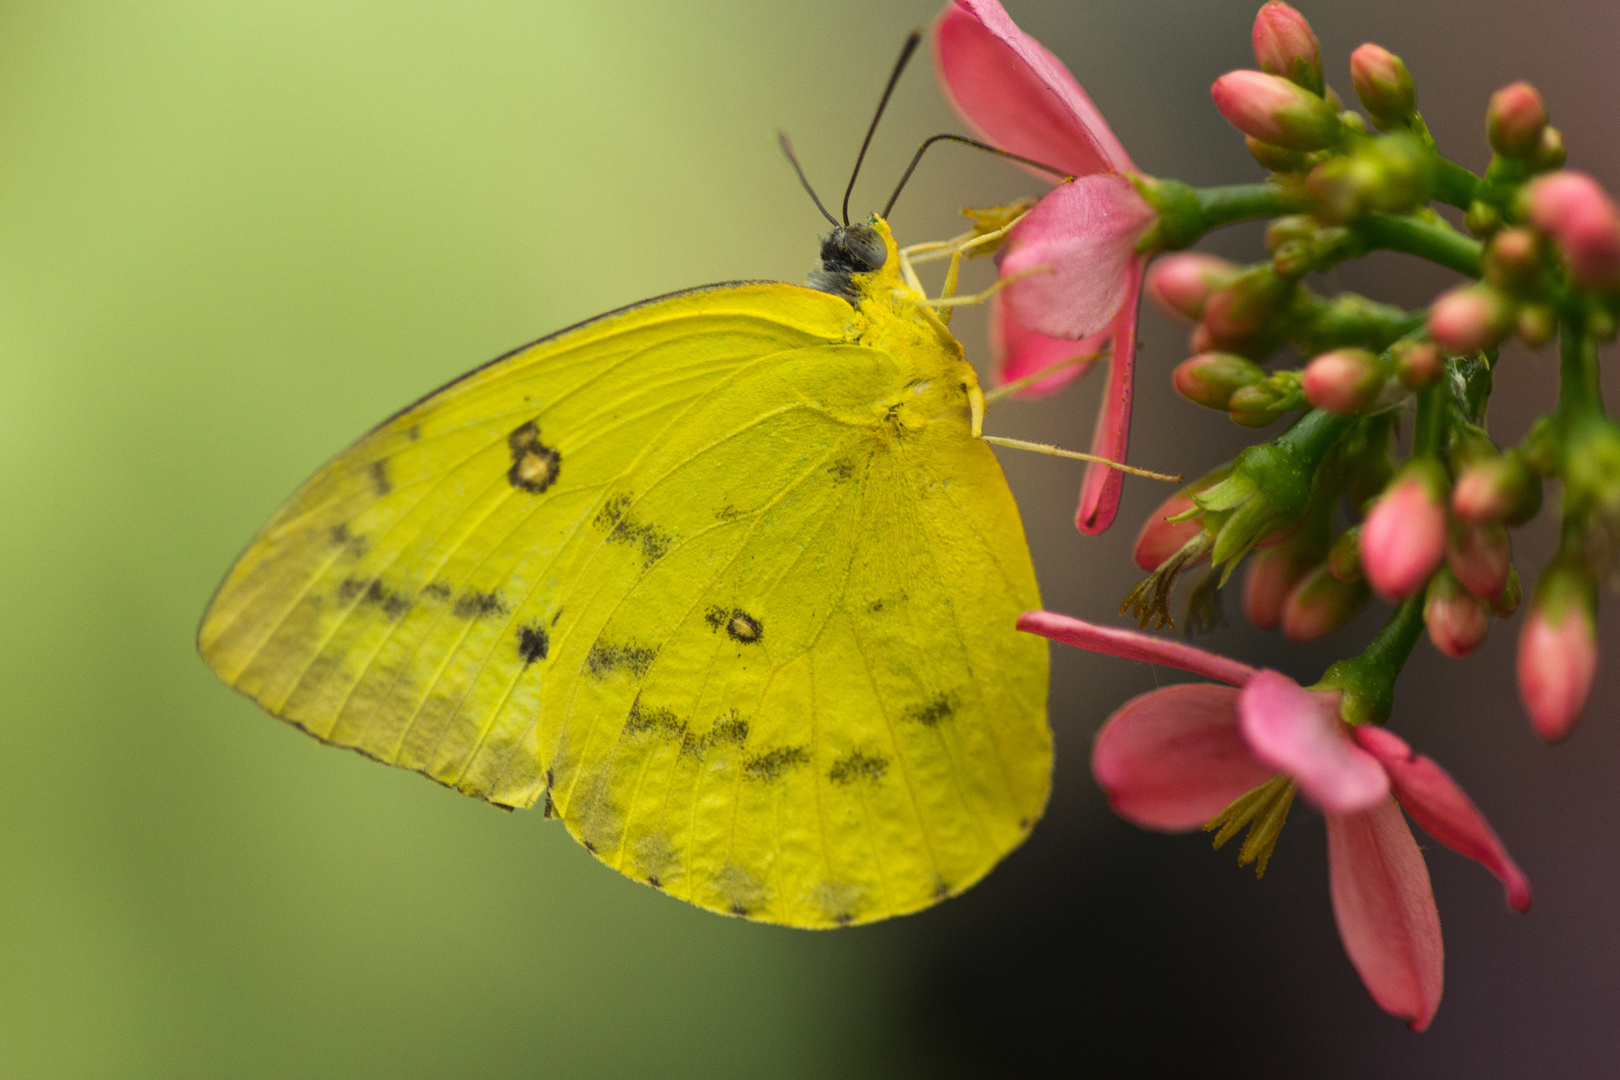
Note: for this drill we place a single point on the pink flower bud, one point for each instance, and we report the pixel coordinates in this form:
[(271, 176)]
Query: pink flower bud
[(1404, 537), (1457, 619), (1575, 211), (1274, 110), (1284, 45), (1417, 364), (1320, 604), (1210, 379), (1273, 573), (1497, 489), (1513, 259), (1383, 84), (1470, 318), (1343, 381), (1237, 312), (1557, 664), (1515, 119), (1480, 556), (1182, 282), (1160, 539)]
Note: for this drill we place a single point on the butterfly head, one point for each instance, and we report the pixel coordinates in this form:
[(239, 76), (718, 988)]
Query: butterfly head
[(849, 250)]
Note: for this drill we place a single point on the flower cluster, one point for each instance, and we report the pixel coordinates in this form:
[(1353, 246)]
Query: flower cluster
[(1331, 513)]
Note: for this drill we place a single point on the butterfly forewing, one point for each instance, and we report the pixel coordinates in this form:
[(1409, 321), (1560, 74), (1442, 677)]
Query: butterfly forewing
[(697, 575)]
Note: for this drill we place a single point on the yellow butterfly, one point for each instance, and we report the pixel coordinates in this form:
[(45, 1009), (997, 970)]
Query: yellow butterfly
[(726, 580)]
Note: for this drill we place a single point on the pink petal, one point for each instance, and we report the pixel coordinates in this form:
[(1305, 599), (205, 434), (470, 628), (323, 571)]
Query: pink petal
[(1299, 733), (1385, 909), (1099, 492), (1436, 802), (1079, 247), (1174, 758), (1019, 96), (1130, 645), (1017, 351)]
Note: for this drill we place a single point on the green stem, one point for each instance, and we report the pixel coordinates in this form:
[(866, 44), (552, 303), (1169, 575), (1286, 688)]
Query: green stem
[(1435, 241), (1453, 184), (1368, 681), (1579, 391), (1219, 206), (1428, 438)]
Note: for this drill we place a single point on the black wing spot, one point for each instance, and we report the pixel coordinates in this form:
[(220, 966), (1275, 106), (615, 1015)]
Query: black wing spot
[(874, 607), (590, 847), (393, 604), (606, 658), (730, 728), (842, 469), (653, 881), (653, 541), (612, 512), (351, 589), (413, 432), (773, 763), (942, 891), (738, 909), (439, 590), (744, 627), (479, 604), (728, 513), (932, 712), (661, 722), (843, 918), (549, 810), (533, 643), (555, 617), (535, 466), (857, 766), (339, 534), (379, 477)]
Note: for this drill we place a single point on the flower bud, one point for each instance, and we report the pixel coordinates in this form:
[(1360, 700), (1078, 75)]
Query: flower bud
[(1482, 218), (1275, 158), (1550, 154), (1480, 556), (1470, 318), (1383, 84), (1501, 489), (1344, 557), (1513, 259), (1404, 537), (1161, 538), (1182, 282), (1574, 210), (1457, 619), (1535, 324), (1514, 120), (1276, 111), (1210, 379), (1320, 604), (1239, 311), (1417, 364), (1343, 381), (1284, 45), (1558, 651), (1272, 576), (1262, 403), (1507, 601)]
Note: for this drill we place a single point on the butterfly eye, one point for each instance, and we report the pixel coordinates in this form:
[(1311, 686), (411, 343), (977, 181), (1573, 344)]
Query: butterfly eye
[(864, 248)]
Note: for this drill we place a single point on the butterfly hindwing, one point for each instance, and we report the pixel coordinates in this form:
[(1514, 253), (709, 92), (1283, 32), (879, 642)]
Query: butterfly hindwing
[(720, 578)]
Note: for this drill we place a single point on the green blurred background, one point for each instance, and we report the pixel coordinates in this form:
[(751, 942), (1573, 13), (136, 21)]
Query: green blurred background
[(235, 235)]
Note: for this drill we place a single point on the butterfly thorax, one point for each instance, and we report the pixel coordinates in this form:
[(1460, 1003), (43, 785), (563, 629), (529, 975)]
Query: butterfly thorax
[(861, 264)]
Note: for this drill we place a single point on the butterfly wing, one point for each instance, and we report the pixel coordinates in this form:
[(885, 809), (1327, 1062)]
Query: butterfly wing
[(686, 573)]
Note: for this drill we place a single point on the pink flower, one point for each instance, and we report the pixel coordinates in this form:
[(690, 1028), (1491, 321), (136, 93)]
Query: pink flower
[(1575, 211), (1021, 98), (1178, 757)]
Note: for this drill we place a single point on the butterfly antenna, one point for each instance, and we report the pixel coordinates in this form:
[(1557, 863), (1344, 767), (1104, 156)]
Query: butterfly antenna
[(787, 148), (899, 65), (976, 144)]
